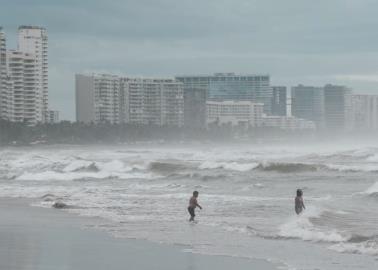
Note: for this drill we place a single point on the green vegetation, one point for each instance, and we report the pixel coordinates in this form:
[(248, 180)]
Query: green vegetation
[(67, 132)]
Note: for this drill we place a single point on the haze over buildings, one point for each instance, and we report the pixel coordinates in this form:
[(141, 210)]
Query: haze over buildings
[(108, 98), (279, 100), (230, 86), (245, 114), (308, 103), (197, 101)]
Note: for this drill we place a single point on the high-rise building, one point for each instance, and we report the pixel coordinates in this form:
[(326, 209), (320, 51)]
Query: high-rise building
[(337, 104), (308, 103), (24, 77), (229, 86), (195, 107), (3, 74), (114, 99), (6, 100), (22, 68), (98, 98), (3, 52), (235, 113), (279, 101), (33, 40), (153, 101), (364, 116)]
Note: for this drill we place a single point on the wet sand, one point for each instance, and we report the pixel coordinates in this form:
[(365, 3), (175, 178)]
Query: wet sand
[(35, 238)]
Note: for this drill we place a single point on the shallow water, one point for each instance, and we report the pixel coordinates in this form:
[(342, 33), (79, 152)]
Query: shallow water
[(247, 193)]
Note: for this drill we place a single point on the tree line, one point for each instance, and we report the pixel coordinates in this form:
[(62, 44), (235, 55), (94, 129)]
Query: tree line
[(66, 132)]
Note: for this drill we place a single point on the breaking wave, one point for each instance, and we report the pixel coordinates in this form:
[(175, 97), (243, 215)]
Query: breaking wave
[(283, 167), (369, 247), (81, 166), (301, 227), (288, 167), (373, 190), (233, 166), (167, 167), (83, 169)]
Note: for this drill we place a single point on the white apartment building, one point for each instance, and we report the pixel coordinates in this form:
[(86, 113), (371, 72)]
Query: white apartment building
[(34, 40), (98, 98), (5, 83), (3, 50), (234, 113), (364, 112), (24, 77), (153, 101), (6, 100), (114, 99), (287, 123), (24, 95)]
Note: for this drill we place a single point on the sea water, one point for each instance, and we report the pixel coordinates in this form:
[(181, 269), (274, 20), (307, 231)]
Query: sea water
[(247, 193)]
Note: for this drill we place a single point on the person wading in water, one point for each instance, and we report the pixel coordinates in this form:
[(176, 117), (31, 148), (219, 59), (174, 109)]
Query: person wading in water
[(192, 205)]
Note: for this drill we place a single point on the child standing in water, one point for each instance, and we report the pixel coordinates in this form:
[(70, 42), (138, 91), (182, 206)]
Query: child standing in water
[(299, 205), (192, 205)]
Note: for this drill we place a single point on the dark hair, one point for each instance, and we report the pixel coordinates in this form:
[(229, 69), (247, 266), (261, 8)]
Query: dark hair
[(195, 193), (299, 192)]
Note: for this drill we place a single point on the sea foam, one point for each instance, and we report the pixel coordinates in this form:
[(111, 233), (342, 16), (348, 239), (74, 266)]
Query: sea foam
[(301, 227)]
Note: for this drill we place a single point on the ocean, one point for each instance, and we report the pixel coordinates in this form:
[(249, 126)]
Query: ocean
[(141, 191)]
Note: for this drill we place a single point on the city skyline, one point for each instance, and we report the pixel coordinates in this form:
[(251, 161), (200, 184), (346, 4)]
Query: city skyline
[(261, 37)]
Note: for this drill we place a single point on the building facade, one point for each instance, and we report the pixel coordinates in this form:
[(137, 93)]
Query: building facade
[(98, 98), (113, 99), (287, 123), (34, 40), (24, 77), (279, 100), (234, 113), (229, 86), (6, 100), (337, 104), (364, 112), (52, 117), (195, 107), (153, 101), (4, 87), (308, 103), (25, 96)]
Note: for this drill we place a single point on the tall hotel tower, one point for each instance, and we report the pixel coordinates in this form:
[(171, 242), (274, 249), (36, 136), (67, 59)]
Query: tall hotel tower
[(33, 40), (3, 66), (6, 90), (3, 54)]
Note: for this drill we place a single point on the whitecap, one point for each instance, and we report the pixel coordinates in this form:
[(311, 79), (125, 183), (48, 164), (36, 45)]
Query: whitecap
[(301, 227)]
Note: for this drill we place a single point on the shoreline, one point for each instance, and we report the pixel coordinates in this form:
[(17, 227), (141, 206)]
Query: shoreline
[(42, 238)]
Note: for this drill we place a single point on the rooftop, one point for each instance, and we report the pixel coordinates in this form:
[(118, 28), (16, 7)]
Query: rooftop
[(228, 74), (30, 27), (233, 102)]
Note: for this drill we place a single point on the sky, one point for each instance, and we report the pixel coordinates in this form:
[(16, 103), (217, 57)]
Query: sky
[(294, 41)]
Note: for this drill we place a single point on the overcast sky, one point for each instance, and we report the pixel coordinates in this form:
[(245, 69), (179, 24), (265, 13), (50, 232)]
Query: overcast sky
[(295, 41)]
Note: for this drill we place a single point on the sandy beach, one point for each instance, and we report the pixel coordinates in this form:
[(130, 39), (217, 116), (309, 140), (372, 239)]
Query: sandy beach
[(37, 239)]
